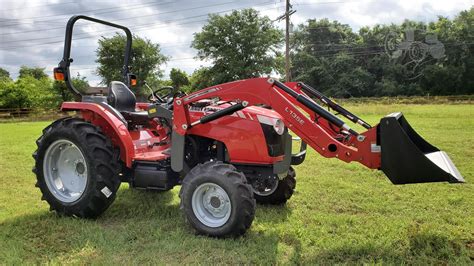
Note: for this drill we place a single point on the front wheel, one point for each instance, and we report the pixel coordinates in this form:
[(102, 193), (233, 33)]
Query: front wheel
[(217, 200)]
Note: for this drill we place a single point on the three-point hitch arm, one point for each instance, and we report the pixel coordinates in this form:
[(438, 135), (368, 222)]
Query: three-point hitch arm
[(323, 131)]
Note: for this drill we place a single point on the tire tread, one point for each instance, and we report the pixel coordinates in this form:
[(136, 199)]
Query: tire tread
[(239, 186), (103, 173)]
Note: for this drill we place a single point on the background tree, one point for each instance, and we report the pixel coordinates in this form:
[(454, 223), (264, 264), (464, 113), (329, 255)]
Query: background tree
[(178, 78), (32, 89), (241, 45), (11, 96), (201, 78), (4, 74), (35, 72), (343, 63), (59, 87), (39, 91), (325, 54), (456, 71), (323, 57), (28, 92), (145, 60)]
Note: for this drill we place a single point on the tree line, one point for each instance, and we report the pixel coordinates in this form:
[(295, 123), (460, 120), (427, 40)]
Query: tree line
[(411, 58)]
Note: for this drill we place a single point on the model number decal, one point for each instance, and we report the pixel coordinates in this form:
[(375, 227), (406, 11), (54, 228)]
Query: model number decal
[(295, 116)]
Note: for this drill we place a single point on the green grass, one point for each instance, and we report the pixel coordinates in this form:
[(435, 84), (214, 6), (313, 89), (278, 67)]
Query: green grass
[(340, 213)]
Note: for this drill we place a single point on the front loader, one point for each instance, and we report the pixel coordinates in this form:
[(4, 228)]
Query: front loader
[(228, 146)]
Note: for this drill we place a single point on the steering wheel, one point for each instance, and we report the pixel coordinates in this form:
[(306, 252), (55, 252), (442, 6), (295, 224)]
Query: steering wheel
[(158, 94)]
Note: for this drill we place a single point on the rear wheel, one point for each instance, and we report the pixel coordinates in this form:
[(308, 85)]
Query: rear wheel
[(274, 190), (76, 168), (217, 200)]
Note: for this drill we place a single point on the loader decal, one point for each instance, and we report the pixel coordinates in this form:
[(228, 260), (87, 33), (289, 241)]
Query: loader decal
[(295, 116)]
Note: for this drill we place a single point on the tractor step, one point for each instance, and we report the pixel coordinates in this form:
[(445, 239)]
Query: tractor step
[(153, 176), (408, 158)]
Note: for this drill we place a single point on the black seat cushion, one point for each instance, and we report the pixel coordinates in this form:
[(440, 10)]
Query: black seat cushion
[(136, 118), (121, 97)]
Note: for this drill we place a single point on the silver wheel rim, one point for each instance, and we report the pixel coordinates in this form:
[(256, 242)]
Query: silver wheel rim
[(65, 170), (268, 190), (211, 205)]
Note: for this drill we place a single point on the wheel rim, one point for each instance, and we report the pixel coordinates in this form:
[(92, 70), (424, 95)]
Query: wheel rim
[(265, 187), (65, 170), (211, 205)]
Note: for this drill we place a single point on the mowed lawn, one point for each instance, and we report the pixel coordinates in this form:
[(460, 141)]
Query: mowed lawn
[(340, 213)]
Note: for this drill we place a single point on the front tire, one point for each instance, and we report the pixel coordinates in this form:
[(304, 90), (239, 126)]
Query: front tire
[(76, 169), (217, 201)]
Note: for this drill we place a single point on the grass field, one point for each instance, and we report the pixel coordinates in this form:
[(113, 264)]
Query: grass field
[(340, 213)]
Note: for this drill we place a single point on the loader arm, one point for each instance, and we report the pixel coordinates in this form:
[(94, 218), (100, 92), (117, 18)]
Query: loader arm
[(392, 146), (291, 105)]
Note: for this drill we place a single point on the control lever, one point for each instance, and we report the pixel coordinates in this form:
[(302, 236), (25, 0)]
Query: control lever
[(153, 97)]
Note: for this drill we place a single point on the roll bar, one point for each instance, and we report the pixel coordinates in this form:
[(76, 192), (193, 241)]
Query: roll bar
[(63, 66)]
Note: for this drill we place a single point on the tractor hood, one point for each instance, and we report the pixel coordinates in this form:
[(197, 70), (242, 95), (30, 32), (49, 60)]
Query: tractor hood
[(254, 113)]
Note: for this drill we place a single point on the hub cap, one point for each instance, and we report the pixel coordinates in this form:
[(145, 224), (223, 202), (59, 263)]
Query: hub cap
[(211, 205), (65, 170)]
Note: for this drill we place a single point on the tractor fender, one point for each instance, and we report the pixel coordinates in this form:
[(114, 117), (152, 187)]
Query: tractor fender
[(113, 126)]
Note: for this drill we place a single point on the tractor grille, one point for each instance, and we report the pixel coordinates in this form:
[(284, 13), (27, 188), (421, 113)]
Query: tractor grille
[(275, 142)]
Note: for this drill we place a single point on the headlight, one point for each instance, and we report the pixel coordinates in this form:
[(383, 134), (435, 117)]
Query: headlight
[(279, 127)]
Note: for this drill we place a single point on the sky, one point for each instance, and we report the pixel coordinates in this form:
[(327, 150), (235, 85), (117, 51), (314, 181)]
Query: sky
[(32, 32)]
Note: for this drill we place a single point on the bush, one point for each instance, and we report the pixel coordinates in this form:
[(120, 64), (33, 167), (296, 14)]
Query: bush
[(39, 92), (11, 96), (28, 92)]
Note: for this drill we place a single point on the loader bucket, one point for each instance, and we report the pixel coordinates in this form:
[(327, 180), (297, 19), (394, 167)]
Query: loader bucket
[(408, 158)]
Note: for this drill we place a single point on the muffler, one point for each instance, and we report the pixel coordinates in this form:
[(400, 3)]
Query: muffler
[(408, 158)]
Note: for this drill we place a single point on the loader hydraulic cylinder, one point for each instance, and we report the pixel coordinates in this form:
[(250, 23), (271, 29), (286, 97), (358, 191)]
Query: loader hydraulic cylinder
[(318, 109), (227, 111), (336, 107)]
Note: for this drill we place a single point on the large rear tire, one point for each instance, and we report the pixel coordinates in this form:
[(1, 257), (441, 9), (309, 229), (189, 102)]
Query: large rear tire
[(279, 194), (76, 168), (217, 201)]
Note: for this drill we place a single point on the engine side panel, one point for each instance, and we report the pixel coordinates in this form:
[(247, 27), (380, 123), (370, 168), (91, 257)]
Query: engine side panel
[(241, 133)]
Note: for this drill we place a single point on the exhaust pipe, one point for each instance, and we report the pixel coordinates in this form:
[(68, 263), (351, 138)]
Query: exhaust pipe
[(408, 158)]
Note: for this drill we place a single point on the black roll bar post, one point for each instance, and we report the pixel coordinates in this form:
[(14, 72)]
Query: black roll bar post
[(67, 60)]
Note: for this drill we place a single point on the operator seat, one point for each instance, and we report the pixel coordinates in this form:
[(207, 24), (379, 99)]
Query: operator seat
[(123, 100)]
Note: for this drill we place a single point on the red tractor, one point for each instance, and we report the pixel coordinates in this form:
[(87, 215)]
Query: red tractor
[(228, 146)]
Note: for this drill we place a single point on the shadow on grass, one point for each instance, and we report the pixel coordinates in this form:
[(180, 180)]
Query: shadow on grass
[(139, 226), (148, 227), (422, 248)]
